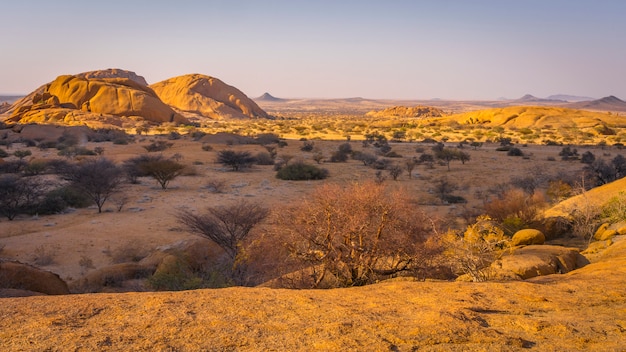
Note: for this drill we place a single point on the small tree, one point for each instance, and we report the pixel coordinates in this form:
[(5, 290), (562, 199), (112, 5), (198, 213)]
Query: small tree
[(162, 170), (357, 234), (19, 194), (444, 188), (410, 165), (22, 153), (447, 155), (228, 227), (235, 160), (395, 171), (99, 179)]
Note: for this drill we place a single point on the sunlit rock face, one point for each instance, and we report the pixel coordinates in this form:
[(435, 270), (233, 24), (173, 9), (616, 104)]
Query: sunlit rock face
[(90, 96), (207, 96)]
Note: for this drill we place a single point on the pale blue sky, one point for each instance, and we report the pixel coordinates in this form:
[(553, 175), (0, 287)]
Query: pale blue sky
[(327, 49)]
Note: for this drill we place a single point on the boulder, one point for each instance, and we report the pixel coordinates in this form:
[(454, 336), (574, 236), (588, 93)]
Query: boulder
[(114, 73), (606, 235), (538, 260), (597, 247), (528, 237), (20, 276), (208, 97), (600, 231)]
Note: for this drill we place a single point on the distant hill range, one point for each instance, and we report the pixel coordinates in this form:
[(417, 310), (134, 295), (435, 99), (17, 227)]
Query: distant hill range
[(10, 98), (528, 98), (569, 98), (610, 103)]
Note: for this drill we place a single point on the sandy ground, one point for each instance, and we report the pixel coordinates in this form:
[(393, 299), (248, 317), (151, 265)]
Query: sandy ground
[(148, 218)]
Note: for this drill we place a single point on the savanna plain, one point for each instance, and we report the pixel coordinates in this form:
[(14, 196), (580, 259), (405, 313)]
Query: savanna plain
[(346, 224)]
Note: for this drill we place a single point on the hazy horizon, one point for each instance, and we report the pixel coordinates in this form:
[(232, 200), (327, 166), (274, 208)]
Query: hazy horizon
[(404, 50)]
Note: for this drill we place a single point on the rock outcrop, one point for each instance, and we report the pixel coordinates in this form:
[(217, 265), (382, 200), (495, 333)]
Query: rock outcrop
[(85, 96), (527, 237), (538, 260), (404, 111), (114, 73), (24, 277), (208, 97)]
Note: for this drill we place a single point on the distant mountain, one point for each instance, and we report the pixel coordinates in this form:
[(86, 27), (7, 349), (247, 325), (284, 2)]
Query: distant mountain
[(268, 97), (569, 98), (610, 103)]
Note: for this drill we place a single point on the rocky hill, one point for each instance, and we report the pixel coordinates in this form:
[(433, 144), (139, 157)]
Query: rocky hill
[(207, 97), (116, 97), (94, 99), (405, 111)]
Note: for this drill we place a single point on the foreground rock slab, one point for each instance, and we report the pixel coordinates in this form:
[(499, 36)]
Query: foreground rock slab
[(581, 310)]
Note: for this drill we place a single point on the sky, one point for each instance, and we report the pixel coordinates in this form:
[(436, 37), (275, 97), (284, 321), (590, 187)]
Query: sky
[(394, 49)]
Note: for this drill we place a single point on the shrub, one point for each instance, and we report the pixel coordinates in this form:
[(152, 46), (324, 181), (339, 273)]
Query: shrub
[(173, 136), (267, 138), (395, 171), (515, 152), (567, 153), (228, 227), (158, 146), (59, 199), (587, 157), (12, 166), (22, 153), (35, 168), (473, 252), (99, 179), (207, 147), (3, 153), (307, 146), (366, 158), (358, 235), (19, 195), (515, 209), (301, 171), (338, 157), (235, 160), (264, 158), (162, 170)]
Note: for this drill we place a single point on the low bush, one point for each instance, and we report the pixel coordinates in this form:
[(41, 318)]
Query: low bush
[(264, 158), (158, 146), (301, 171), (515, 152)]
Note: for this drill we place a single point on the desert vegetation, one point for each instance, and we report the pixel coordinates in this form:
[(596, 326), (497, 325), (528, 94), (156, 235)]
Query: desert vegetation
[(376, 192)]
